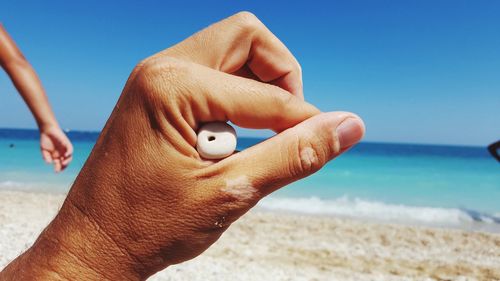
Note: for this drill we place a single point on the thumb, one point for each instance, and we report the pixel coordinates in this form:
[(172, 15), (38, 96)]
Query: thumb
[(296, 152)]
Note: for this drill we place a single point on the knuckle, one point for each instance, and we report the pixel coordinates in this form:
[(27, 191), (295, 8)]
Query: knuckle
[(247, 20), (298, 67), (166, 68), (310, 157), (283, 102), (160, 76)]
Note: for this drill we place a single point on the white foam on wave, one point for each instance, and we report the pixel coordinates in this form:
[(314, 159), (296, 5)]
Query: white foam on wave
[(12, 184), (373, 210), (32, 186)]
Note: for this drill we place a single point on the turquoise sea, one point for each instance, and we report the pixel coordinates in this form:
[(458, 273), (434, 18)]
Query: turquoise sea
[(446, 186)]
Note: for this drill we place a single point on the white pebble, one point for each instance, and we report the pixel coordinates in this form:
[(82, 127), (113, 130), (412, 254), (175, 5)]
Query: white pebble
[(216, 140)]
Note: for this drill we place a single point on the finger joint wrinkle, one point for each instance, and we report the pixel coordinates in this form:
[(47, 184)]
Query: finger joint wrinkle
[(308, 158)]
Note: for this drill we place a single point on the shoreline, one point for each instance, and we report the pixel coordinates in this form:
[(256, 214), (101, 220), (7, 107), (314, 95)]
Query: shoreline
[(468, 222), (474, 227), (270, 245)]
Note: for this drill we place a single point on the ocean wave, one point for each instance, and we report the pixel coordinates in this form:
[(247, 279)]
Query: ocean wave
[(12, 184), (379, 211), (342, 207), (33, 186)]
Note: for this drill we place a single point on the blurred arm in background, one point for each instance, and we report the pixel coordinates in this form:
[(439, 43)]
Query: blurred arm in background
[(55, 146), (493, 149)]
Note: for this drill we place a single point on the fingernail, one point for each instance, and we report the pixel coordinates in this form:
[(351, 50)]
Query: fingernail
[(349, 132)]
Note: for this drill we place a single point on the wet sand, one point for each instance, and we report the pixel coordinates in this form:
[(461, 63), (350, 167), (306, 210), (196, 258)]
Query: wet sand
[(276, 246)]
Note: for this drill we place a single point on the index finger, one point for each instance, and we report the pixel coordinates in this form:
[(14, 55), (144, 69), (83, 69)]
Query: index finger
[(239, 42)]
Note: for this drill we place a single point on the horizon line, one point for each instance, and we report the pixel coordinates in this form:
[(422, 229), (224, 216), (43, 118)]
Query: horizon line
[(264, 137)]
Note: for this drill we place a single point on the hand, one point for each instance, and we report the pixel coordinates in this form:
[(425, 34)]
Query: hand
[(145, 199), (56, 147)]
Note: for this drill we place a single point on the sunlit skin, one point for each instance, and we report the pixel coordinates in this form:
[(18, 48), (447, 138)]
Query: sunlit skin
[(145, 199), (55, 146)]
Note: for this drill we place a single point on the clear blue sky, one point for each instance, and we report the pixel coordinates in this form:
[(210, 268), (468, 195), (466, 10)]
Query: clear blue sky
[(416, 71)]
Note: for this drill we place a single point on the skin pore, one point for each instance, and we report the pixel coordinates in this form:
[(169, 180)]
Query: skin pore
[(145, 199), (54, 145)]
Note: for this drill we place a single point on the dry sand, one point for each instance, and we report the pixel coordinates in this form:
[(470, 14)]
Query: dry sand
[(272, 246)]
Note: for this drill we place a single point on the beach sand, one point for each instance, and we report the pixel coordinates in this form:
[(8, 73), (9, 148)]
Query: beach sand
[(275, 246)]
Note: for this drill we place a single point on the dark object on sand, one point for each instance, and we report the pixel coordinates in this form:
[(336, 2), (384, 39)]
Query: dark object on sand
[(493, 149)]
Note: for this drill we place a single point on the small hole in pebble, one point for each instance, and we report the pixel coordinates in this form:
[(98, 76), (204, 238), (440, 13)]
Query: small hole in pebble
[(211, 138)]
